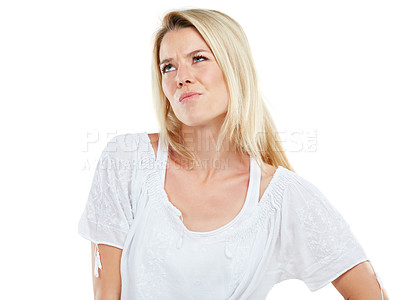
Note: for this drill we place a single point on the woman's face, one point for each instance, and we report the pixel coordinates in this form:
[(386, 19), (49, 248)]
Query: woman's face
[(188, 65)]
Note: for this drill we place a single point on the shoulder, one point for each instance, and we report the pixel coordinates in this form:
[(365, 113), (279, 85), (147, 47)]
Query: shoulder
[(293, 180), (153, 137), (269, 170), (301, 185), (287, 186), (124, 140), (308, 201), (267, 173), (123, 146)]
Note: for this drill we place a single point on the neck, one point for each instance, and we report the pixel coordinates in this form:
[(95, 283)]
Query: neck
[(213, 162)]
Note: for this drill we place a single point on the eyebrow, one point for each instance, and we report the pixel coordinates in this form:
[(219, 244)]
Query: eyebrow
[(187, 55)]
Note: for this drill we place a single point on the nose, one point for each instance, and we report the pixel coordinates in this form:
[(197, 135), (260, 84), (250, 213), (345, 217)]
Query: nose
[(184, 76), (180, 82)]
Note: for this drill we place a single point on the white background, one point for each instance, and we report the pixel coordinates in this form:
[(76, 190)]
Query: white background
[(73, 72)]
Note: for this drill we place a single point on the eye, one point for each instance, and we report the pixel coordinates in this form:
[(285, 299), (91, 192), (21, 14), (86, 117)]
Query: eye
[(196, 58), (199, 57), (164, 69)]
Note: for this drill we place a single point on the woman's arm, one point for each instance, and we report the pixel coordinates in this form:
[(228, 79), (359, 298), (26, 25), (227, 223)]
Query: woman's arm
[(108, 285), (360, 283)]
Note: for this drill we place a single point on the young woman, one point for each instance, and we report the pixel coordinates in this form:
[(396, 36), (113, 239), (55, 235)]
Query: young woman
[(210, 207)]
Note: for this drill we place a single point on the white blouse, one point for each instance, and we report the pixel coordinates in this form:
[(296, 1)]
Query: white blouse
[(293, 232)]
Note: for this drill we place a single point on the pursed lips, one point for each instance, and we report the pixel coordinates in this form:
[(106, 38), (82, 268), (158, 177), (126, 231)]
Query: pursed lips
[(188, 94)]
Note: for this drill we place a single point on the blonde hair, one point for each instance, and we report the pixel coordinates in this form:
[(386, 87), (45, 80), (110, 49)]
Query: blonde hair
[(248, 123)]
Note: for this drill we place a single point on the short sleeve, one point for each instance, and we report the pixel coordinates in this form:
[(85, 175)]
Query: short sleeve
[(318, 244), (109, 209)]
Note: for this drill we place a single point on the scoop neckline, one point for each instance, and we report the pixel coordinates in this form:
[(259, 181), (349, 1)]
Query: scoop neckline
[(161, 157)]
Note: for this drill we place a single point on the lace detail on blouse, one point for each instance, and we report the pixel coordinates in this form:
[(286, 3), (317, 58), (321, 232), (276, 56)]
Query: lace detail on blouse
[(327, 233), (293, 232), (261, 220), (239, 238), (325, 229), (151, 275), (111, 203), (317, 241)]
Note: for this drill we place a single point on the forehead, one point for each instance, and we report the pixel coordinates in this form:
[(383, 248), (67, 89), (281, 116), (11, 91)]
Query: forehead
[(181, 40)]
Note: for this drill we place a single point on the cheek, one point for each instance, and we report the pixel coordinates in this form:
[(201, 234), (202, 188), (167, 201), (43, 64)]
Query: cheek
[(166, 87), (217, 81), (214, 78)]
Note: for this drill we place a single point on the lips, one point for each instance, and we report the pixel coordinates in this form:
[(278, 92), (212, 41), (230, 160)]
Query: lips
[(188, 94)]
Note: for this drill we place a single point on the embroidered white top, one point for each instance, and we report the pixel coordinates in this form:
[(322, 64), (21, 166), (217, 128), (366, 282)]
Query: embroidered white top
[(293, 232)]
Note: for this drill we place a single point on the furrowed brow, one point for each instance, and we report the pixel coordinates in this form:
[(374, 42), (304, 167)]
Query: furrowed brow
[(187, 55)]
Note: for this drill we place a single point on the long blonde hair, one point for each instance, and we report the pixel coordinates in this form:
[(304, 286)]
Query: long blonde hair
[(248, 123)]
